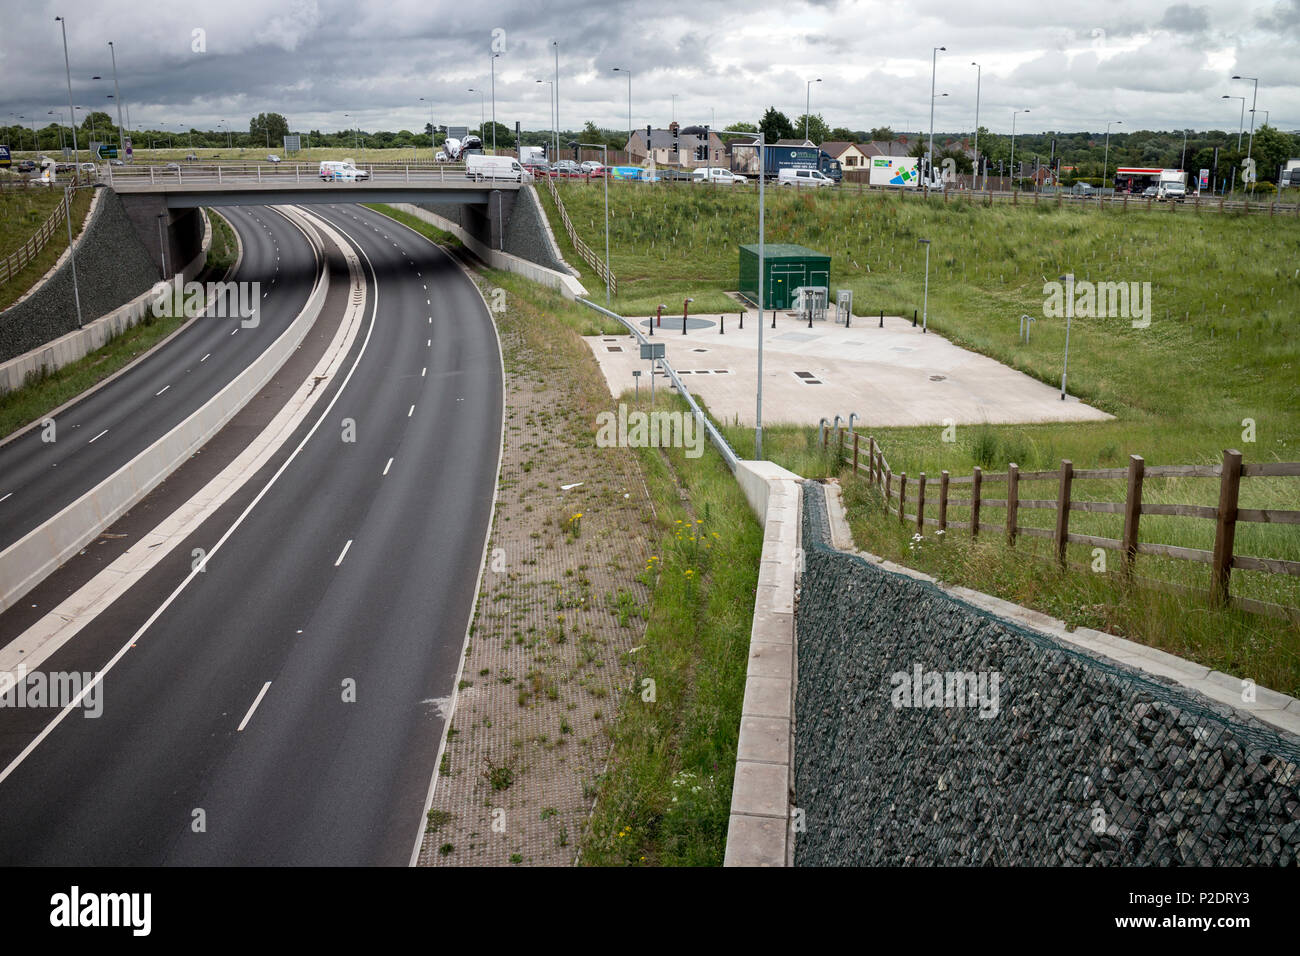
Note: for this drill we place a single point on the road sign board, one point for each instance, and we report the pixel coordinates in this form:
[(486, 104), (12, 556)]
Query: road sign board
[(652, 350)]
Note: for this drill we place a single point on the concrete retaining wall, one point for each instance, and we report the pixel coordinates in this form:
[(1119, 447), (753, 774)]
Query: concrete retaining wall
[(25, 563), (113, 267), (759, 827), (1069, 757), (76, 345), (570, 287)]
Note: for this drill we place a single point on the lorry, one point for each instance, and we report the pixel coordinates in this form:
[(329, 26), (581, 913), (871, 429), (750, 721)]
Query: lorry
[(744, 160), (532, 155), (1290, 174)]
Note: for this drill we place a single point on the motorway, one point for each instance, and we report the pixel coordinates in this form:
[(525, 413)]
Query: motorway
[(285, 706), (99, 433)]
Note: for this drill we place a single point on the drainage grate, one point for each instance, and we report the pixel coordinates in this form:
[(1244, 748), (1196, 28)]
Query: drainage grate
[(722, 371), (937, 378), (699, 350), (807, 378), (805, 374), (613, 348)]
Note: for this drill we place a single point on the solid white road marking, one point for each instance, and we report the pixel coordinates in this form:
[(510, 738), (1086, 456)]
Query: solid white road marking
[(410, 412), (343, 553), (206, 357), (10, 495), (98, 437), (260, 694), (161, 390), (386, 467)]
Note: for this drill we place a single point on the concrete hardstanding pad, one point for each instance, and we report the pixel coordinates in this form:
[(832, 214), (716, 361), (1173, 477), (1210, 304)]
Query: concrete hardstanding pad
[(890, 376)]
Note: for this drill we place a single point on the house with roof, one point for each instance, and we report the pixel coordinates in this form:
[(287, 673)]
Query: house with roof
[(850, 155), (676, 146)]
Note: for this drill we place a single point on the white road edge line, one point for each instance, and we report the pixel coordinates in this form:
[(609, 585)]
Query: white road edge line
[(248, 716), (343, 553), (98, 437), (112, 662)]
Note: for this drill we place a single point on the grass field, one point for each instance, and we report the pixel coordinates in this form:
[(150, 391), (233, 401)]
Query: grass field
[(1216, 368), (22, 213)]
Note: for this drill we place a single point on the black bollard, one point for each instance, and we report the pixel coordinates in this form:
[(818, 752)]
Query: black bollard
[(652, 325), (848, 317), (882, 318), (683, 323), (810, 311), (774, 318), (742, 320), (722, 325), (914, 318)]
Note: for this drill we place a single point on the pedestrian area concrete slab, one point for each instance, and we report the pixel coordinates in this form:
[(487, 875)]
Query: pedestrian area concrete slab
[(896, 375)]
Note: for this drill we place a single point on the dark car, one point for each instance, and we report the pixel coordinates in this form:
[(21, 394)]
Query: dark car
[(26, 166), (539, 168), (567, 167)]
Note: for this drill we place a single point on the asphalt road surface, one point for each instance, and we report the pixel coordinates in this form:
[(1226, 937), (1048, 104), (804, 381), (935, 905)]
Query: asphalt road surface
[(108, 428), (284, 707)]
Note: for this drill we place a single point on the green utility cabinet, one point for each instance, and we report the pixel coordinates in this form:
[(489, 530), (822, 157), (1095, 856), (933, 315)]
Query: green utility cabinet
[(787, 268)]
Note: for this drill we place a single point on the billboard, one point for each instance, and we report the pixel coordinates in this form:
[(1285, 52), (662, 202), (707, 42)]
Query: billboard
[(292, 143), (894, 171), (1204, 179), (5, 159)]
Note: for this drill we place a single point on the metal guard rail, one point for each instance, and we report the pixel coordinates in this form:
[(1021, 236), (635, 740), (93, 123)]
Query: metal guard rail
[(720, 443)]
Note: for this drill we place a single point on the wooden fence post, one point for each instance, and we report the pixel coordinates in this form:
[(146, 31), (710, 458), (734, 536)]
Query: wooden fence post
[(943, 501), (1132, 511), (1063, 510), (920, 505), (888, 481), (1225, 527), (871, 459), (976, 478), (902, 495), (1013, 504), (855, 453)]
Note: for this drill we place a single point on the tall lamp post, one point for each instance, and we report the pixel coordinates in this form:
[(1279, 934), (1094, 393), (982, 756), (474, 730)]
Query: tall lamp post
[(481, 120), (975, 175), (1011, 164), (59, 113), (72, 115), (929, 155), (807, 105), (433, 143), (117, 95), (493, 62), (1241, 123), (604, 150), (1068, 278), (1250, 146), (762, 255), (556, 45), (554, 149), (925, 301), (1105, 171), (623, 69)]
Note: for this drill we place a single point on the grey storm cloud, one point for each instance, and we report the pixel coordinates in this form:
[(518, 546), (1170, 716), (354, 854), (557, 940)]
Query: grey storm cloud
[(316, 60)]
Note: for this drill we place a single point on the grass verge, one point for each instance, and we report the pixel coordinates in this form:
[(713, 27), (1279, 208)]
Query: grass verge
[(22, 212)]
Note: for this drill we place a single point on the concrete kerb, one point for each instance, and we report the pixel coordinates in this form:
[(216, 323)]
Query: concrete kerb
[(95, 334), (1270, 707), (26, 562), (568, 286), (759, 830)]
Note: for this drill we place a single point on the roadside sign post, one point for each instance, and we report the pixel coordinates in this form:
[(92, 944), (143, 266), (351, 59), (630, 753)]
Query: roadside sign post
[(653, 351), (636, 376)]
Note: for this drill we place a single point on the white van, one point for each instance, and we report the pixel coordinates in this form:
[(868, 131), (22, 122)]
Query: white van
[(803, 177), (716, 174), (341, 171), (479, 167)]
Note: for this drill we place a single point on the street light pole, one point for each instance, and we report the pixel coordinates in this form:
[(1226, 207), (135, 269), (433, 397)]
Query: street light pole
[(628, 71), (1069, 312), (72, 115), (556, 44), (1253, 97), (433, 143), (925, 301), (481, 120), (929, 155), (807, 105), (1105, 168), (117, 95), (492, 60), (975, 174), (1011, 164)]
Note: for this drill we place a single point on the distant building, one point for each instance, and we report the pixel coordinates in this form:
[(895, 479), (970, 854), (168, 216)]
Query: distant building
[(850, 155), (672, 147)]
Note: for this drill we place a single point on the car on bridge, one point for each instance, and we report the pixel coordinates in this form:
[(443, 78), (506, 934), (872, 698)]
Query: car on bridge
[(341, 171)]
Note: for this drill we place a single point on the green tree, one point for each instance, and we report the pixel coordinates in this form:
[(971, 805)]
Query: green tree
[(818, 131), (776, 125), (741, 128), (267, 129), (842, 134), (1271, 149), (882, 134)]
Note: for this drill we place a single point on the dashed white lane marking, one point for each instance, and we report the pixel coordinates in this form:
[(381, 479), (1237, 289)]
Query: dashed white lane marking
[(343, 553), (423, 371), (427, 302), (206, 357), (431, 320), (426, 288), (410, 411), (248, 716), (8, 496), (98, 437), (386, 467), (161, 390), (428, 342)]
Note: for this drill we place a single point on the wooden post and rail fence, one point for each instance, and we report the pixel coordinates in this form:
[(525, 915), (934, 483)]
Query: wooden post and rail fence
[(17, 260), (896, 488), (593, 260)]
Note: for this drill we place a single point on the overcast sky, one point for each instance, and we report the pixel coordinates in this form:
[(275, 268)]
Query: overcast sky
[(1148, 63)]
